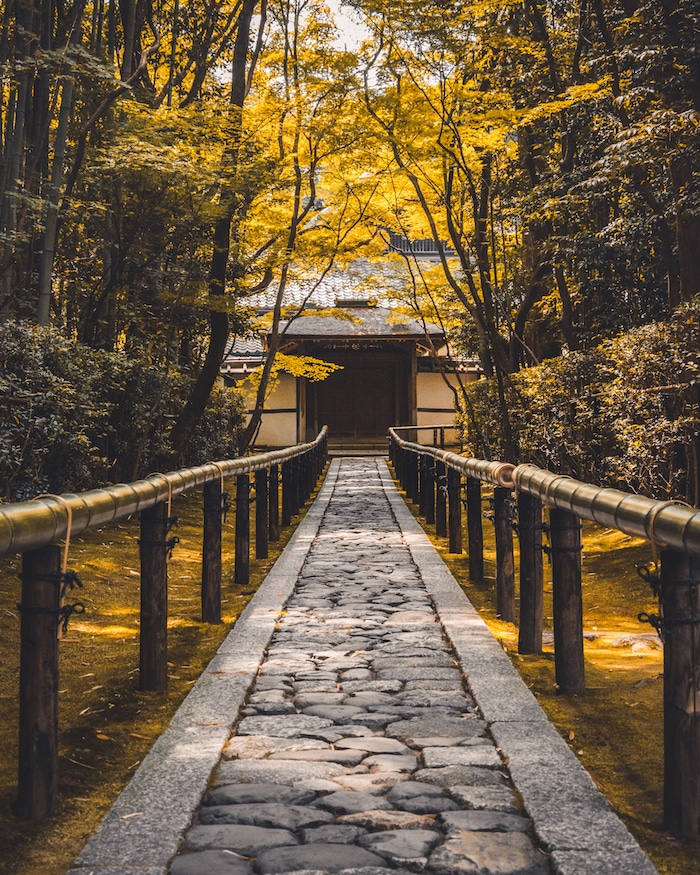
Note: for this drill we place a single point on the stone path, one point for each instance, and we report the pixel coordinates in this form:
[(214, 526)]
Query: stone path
[(360, 749)]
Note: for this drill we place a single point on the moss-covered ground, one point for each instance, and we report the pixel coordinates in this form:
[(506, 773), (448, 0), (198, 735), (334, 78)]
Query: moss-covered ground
[(616, 728), (106, 725)]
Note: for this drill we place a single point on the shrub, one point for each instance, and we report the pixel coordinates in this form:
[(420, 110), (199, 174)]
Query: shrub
[(72, 417)]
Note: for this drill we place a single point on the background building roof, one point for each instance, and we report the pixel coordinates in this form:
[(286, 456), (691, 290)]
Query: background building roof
[(362, 320)]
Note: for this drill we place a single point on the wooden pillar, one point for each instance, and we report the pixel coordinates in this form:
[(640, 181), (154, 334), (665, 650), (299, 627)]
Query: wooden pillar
[(475, 533), (505, 564), (211, 552), (440, 500), (273, 500), (262, 501), (680, 605), (154, 550), (241, 564), (531, 574), (454, 502), (565, 538), (38, 683)]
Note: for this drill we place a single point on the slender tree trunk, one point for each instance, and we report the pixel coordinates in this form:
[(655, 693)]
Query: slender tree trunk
[(59, 151), (218, 320), (687, 227)]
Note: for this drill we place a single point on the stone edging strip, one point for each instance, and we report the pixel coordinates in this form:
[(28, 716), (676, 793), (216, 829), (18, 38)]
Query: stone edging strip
[(571, 818), (143, 829)]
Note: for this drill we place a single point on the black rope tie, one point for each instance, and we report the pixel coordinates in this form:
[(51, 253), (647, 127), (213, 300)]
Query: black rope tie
[(168, 545), (549, 550), (661, 621), (65, 580), (225, 504)]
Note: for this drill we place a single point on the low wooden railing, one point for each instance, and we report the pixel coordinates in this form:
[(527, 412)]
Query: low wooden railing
[(32, 528), (433, 478)]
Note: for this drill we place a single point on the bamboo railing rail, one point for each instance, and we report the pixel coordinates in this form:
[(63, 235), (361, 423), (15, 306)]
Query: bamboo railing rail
[(32, 528), (432, 478)]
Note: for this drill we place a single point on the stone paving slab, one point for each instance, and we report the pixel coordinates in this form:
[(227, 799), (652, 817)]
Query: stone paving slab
[(386, 730)]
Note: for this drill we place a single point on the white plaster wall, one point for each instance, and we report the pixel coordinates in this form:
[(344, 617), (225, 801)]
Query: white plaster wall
[(279, 420), (434, 400)]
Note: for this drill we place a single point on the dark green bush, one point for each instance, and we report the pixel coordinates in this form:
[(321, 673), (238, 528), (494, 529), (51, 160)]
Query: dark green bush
[(72, 417), (624, 414)]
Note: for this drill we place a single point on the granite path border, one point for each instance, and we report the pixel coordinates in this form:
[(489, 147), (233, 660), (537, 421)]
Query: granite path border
[(572, 820)]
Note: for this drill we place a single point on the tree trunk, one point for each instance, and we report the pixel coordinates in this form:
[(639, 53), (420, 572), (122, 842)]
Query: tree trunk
[(687, 227), (218, 319), (59, 151)]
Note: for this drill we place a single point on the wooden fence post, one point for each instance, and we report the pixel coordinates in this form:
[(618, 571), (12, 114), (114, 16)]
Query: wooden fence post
[(211, 552), (412, 476), (262, 500), (440, 500), (430, 491), (154, 550), (425, 482), (454, 501), (287, 487), (565, 539), (475, 532), (680, 606), (505, 564), (38, 683), (273, 501), (531, 573), (296, 485), (241, 562)]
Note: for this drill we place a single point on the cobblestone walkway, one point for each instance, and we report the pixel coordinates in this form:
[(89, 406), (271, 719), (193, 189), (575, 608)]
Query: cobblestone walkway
[(357, 746), (360, 748)]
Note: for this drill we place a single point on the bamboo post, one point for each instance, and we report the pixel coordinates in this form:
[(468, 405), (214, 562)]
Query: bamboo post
[(241, 563), (531, 574), (440, 500), (454, 502), (475, 532), (154, 549), (262, 500), (274, 504), (680, 579), (38, 683), (211, 552), (565, 539), (505, 564)]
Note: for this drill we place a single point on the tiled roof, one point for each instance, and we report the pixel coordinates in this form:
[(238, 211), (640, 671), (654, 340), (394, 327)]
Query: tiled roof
[(360, 280), (244, 347), (365, 321)]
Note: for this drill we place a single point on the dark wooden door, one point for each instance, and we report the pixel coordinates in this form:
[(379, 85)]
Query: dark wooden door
[(359, 401)]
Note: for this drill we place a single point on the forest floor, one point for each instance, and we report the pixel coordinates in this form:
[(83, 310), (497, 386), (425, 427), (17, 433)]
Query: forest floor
[(107, 725)]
